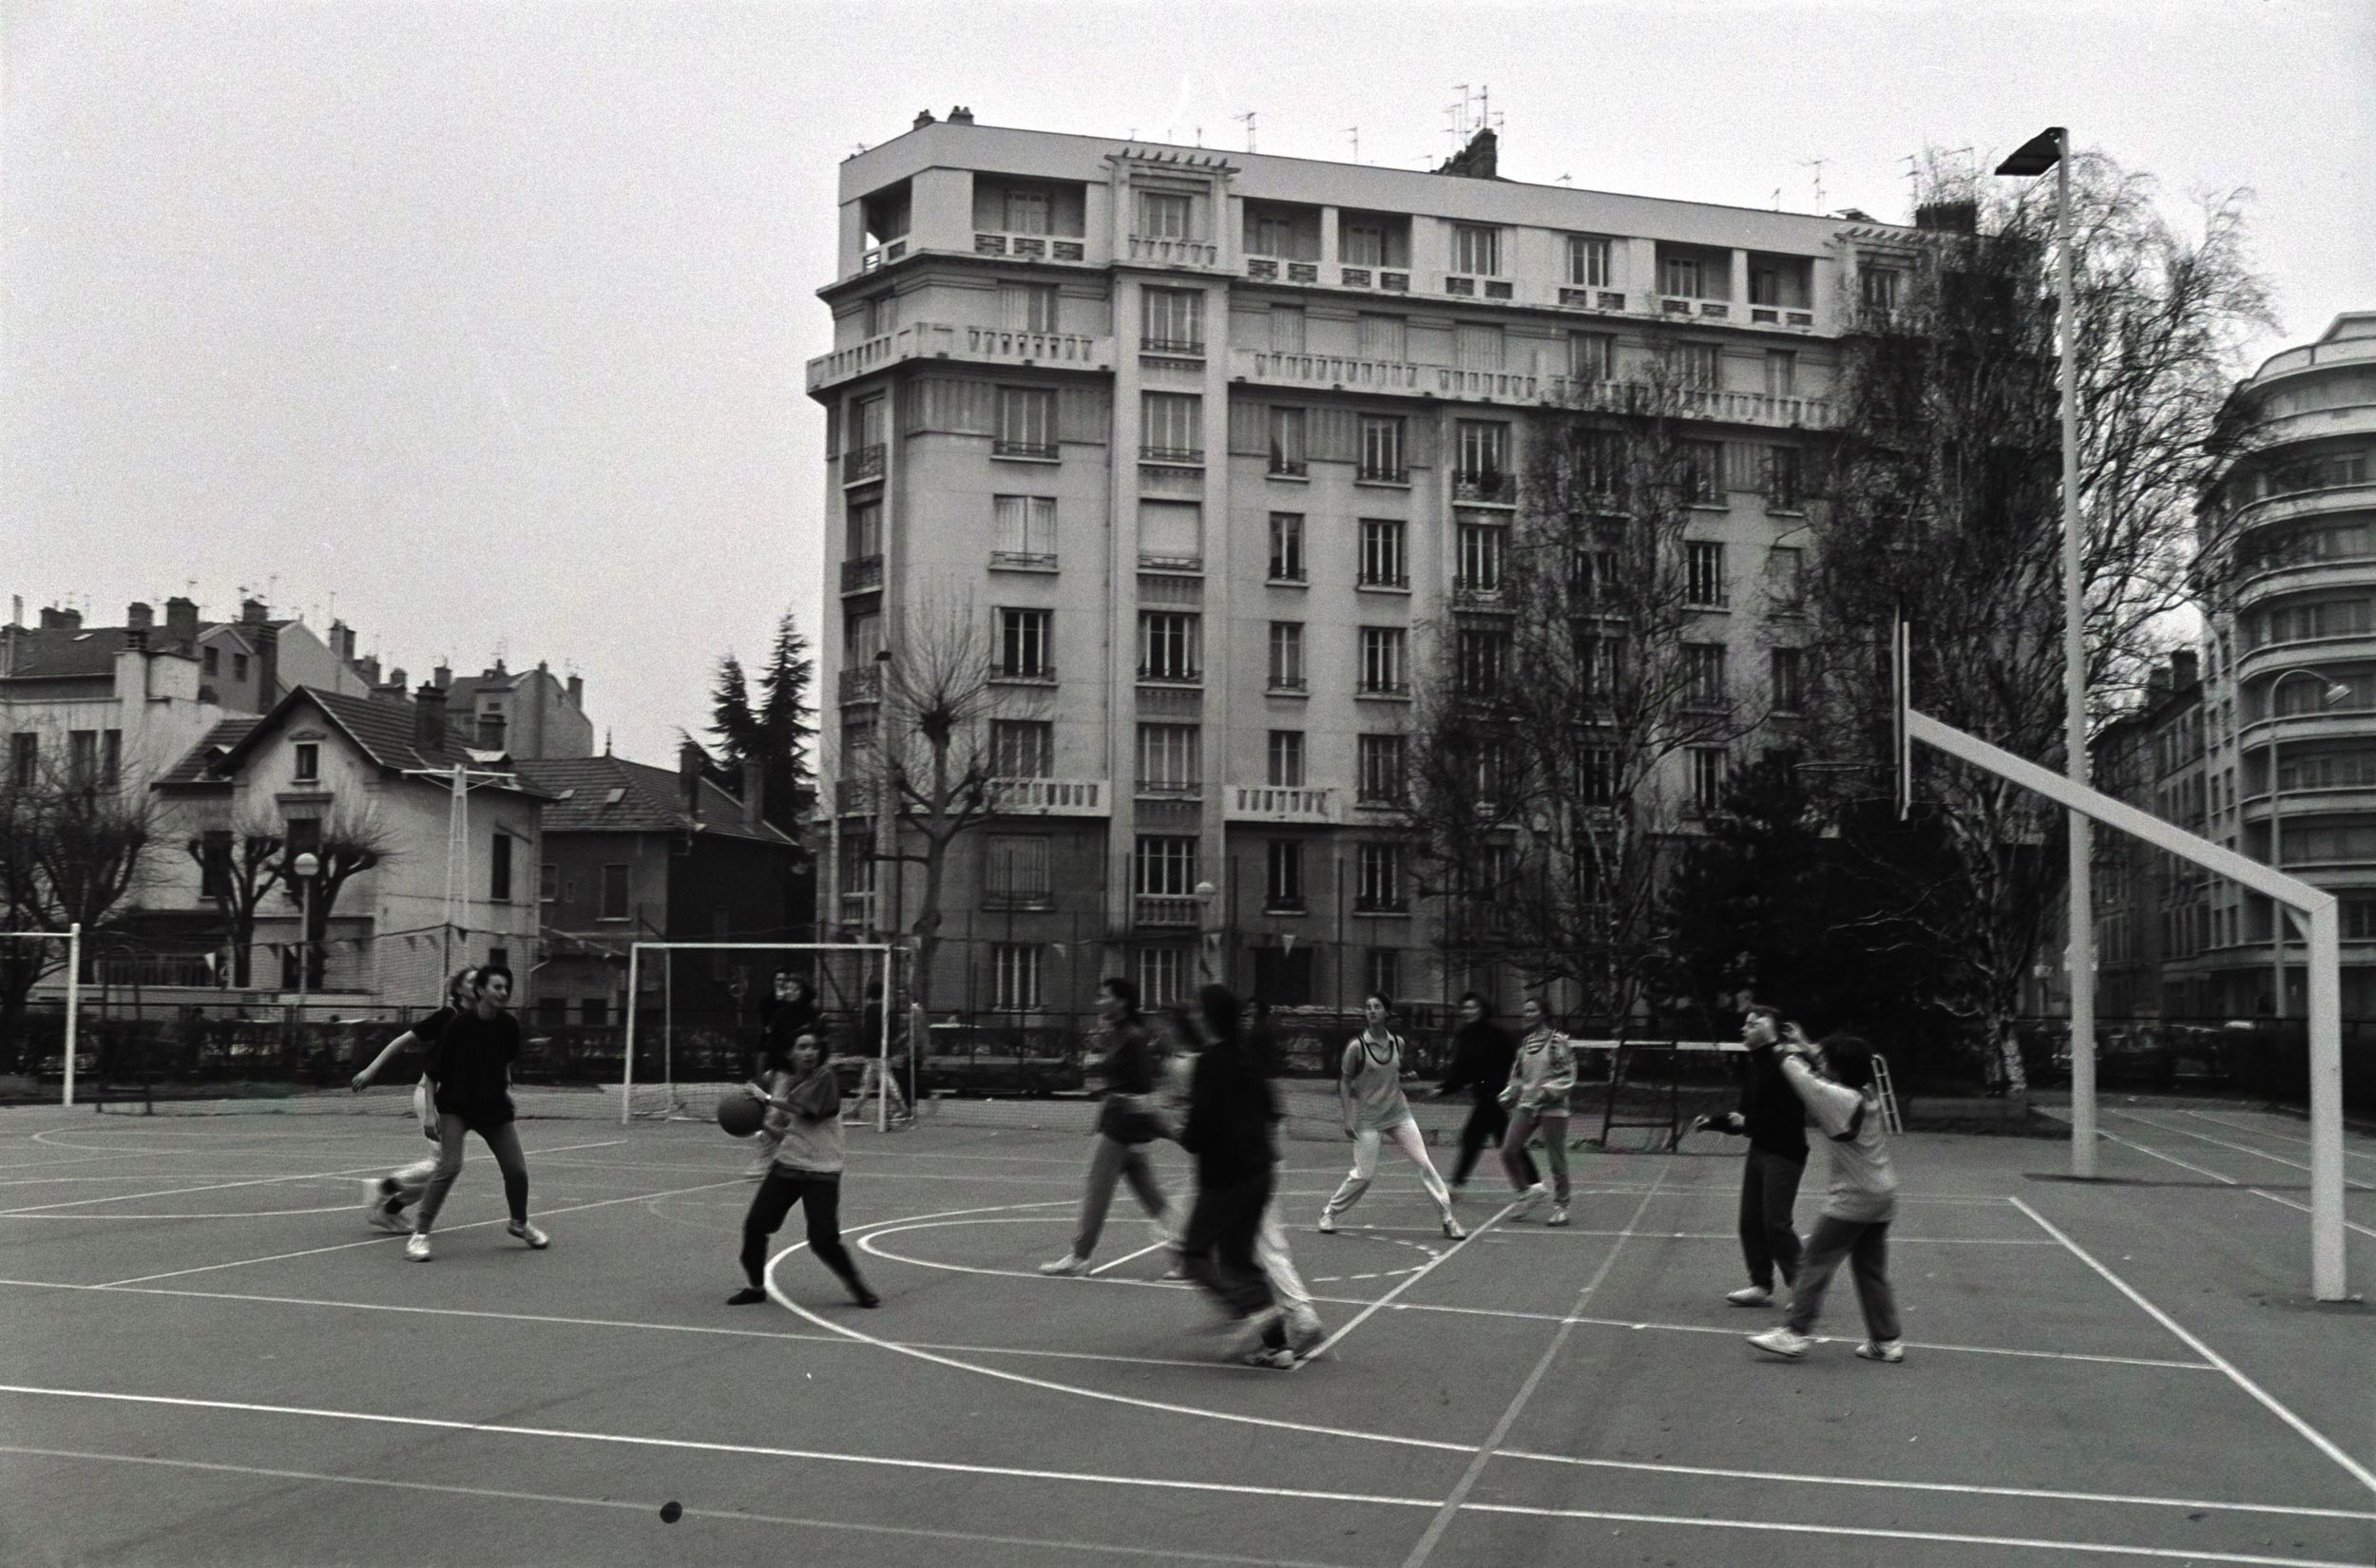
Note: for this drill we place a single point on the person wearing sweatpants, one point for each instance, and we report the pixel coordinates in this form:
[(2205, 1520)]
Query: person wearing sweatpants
[(1835, 1082), (1771, 1117), (1304, 1329), (1542, 1075)]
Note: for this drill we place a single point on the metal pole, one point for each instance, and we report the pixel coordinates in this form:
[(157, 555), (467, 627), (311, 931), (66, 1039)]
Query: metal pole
[(73, 999), (2277, 862), (626, 1081), (2083, 903), (305, 954), (2328, 1278)]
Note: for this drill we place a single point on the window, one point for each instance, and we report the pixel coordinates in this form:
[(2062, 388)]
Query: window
[(24, 758), (1786, 478), (1380, 779), (879, 315), (1703, 674), (1878, 287), (1478, 347), (1022, 748), (1383, 338), (1168, 645), (308, 766), (1163, 215), (499, 869), (1704, 575), (1476, 248), (1603, 663), (214, 864), (1382, 563), (1484, 449), (594, 1011), (1286, 656), (1015, 869), (1016, 968), (1785, 567), (1287, 329), (1361, 245), (1382, 449), (1287, 429), (1025, 527), (1598, 785), (1480, 556), (1170, 535), (866, 418), (1707, 777), (239, 666), (1698, 366), (1381, 650), (1172, 320), (1270, 234), (1681, 275), (499, 956), (214, 660), (1592, 578), (1587, 261), (548, 882), (1592, 356), (1027, 307), (1484, 655), (1383, 968), (1164, 866), (1283, 875), (1703, 473), (1023, 644), (1286, 547), (1286, 759), (1781, 372), (1378, 884), (1168, 760), (1163, 975), (1025, 211), (1790, 679), (862, 531), (1172, 427), (81, 758), (110, 759), (614, 893), (1027, 422)]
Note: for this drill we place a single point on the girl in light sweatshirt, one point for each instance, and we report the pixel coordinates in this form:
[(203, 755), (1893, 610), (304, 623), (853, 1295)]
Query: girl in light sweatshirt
[(1861, 1199), (1541, 1077)]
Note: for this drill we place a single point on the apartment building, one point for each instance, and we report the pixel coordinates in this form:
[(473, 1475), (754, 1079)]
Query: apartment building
[(2153, 909), (2290, 736), (1204, 447)]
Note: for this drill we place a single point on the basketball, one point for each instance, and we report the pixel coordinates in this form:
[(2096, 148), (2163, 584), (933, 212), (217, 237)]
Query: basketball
[(741, 1114)]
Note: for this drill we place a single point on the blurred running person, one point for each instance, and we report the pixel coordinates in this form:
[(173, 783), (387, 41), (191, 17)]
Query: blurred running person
[(808, 1171), (1835, 1083), (1771, 1117), (1129, 1119), (471, 1066), (1482, 1052), (1369, 1095), (1229, 1132), (1278, 1263), (1542, 1075), (386, 1198)]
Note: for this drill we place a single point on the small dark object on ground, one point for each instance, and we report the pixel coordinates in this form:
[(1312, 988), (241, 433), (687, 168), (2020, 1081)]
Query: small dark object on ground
[(671, 1511)]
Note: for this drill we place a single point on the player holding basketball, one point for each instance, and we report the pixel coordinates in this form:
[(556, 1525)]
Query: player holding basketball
[(386, 1198), (470, 1065), (1543, 1074), (1835, 1082), (1369, 1093), (807, 1171), (791, 1015)]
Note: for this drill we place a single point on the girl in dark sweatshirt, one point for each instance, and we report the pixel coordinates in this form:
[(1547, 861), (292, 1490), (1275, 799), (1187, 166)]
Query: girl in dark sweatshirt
[(1228, 1131)]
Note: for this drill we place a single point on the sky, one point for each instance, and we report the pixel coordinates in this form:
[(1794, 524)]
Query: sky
[(482, 327)]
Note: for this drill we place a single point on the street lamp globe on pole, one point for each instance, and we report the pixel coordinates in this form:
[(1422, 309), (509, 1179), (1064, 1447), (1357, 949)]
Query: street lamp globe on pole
[(305, 868)]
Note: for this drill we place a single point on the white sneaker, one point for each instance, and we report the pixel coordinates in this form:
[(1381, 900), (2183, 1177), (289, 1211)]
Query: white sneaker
[(1452, 1230), (1328, 1223), (1558, 1215), (1066, 1267), (1890, 1350), (1750, 1295), (527, 1231), (1279, 1359), (1177, 1267), (1785, 1342), (1532, 1198), (1304, 1331), (416, 1250)]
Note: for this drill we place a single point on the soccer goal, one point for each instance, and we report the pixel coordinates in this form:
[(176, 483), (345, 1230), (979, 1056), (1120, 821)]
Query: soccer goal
[(27, 948), (696, 1015)]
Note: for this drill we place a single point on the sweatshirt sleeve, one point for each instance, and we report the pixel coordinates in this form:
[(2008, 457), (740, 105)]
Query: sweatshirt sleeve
[(1833, 1105), (817, 1097)]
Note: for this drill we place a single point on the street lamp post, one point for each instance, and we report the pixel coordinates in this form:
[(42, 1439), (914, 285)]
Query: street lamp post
[(2051, 148), (2336, 692), (305, 868)]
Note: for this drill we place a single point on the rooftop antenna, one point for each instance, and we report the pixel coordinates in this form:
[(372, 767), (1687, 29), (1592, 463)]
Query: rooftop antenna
[(1817, 164), (1247, 119), (1354, 131), (1777, 199), (1913, 177)]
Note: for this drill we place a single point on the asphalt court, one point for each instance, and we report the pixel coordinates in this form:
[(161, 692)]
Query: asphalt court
[(206, 1357)]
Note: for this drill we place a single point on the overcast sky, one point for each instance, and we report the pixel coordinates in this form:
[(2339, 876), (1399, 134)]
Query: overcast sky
[(488, 322)]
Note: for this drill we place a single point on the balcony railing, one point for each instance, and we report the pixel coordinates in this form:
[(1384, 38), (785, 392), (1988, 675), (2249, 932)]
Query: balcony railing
[(861, 572), (1171, 345), (877, 257), (1597, 299), (1175, 253), (1380, 474), (860, 463), (1000, 447), (1742, 408), (1282, 803), (1031, 674), (1383, 688), (1022, 561), (1685, 304), (863, 684), (1782, 316), (1287, 685), (1048, 797), (1165, 674), (1320, 369), (858, 909), (1172, 789), (1037, 247), (1490, 488), (943, 340), (1289, 467), (1186, 456), (1165, 909), (1152, 563)]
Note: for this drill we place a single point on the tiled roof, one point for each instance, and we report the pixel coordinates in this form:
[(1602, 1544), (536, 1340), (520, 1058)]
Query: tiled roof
[(648, 799), (53, 653), (384, 730), (197, 767)]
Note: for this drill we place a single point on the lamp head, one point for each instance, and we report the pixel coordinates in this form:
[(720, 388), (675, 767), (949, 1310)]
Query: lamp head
[(306, 865)]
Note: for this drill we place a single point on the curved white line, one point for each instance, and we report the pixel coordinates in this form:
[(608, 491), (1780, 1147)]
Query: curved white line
[(241, 1213)]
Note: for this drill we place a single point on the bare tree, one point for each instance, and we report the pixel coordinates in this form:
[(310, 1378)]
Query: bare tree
[(1574, 676), (72, 849), (239, 869), (348, 843), (1943, 503)]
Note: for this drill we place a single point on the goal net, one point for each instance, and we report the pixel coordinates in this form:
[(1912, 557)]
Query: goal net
[(41, 1048), (696, 1015)]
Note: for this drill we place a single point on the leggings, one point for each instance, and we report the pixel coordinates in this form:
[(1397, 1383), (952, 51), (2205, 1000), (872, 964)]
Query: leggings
[(1520, 1166), (1366, 1144), (501, 1139), (820, 1191)]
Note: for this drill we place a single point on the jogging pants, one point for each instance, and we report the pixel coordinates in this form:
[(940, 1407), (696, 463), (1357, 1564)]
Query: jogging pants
[(503, 1141), (1865, 1245), (1109, 1161), (1521, 1165), (1366, 1145), (1769, 1238), (1217, 1247), (1271, 1253), (1486, 1122), (821, 1194)]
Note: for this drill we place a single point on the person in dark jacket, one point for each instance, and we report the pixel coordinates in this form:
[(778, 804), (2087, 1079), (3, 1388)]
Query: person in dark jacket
[(1128, 1121), (1228, 1131), (470, 1069), (1774, 1121), (1482, 1052)]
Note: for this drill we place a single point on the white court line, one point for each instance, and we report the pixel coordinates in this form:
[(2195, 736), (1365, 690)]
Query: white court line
[(254, 1181), (373, 1241), (699, 1446), (1150, 1246), (2348, 1152), (2295, 1204), (1429, 1537), (1943, 1537), (724, 1515), (2317, 1439), (1956, 1488), (1364, 1315), (2239, 1148), (1554, 1232)]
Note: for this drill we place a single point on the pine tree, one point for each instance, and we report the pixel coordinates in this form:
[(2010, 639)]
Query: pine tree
[(770, 743)]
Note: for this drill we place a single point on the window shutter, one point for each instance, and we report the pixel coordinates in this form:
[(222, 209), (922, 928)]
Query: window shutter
[(1084, 414), (1335, 434), (1247, 436)]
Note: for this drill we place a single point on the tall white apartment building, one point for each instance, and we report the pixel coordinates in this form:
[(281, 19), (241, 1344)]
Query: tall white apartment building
[(1204, 444)]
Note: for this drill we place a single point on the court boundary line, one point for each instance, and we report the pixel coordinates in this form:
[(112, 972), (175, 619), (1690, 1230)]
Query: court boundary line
[(1428, 1538), (253, 1182), (2348, 1152), (1339, 1335), (2220, 1176), (2348, 1185), (2313, 1435)]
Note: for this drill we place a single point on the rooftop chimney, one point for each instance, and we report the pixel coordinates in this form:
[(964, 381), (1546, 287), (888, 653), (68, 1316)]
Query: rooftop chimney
[(267, 664), (58, 619), (181, 620), (924, 118), (1956, 217), (1477, 161), (577, 692), (961, 116), (253, 612), (441, 674), (690, 759), (138, 617), (754, 793), (429, 717)]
